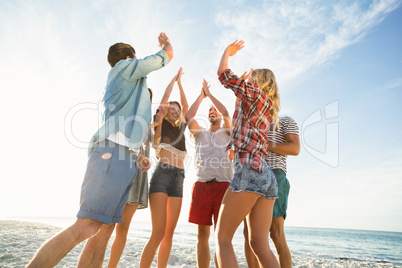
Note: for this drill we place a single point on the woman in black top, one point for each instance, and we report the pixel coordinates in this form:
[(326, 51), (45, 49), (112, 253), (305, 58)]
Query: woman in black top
[(166, 187)]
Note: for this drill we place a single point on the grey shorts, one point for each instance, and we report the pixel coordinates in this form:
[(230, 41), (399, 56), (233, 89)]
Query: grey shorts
[(110, 173), (167, 179), (250, 180), (139, 190)]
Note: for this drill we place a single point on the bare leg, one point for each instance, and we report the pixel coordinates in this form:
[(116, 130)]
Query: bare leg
[(173, 212), (252, 261), (121, 235), (215, 258), (50, 254), (259, 223), (279, 239), (94, 251), (235, 207), (157, 204), (203, 253)]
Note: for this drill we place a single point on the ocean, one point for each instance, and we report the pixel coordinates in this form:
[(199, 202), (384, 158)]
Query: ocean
[(310, 247)]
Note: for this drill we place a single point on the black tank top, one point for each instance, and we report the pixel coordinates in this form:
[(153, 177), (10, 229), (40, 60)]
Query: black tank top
[(173, 135)]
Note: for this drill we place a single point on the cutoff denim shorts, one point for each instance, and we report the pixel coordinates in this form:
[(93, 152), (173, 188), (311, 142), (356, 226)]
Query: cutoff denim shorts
[(110, 173), (248, 179), (167, 179)]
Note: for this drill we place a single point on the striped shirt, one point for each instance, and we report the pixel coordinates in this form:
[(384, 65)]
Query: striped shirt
[(286, 126), (251, 120)]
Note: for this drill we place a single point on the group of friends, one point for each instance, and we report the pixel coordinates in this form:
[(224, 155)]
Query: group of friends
[(240, 167)]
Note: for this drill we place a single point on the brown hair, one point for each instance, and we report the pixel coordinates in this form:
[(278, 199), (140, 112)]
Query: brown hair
[(119, 51), (150, 93)]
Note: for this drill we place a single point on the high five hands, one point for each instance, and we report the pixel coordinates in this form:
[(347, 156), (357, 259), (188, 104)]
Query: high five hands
[(205, 89), (177, 78)]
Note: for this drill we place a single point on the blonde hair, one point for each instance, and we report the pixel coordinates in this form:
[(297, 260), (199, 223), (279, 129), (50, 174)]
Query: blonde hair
[(178, 122), (265, 79)]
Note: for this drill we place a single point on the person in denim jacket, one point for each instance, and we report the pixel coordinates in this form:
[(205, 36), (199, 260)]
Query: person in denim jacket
[(113, 153)]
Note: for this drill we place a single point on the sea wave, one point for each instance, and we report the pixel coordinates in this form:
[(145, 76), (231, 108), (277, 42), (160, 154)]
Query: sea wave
[(20, 240)]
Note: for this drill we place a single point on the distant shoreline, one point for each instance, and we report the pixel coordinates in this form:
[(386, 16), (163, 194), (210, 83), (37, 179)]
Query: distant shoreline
[(311, 247), (67, 221)]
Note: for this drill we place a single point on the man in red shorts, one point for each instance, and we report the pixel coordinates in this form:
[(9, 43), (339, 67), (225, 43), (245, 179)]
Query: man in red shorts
[(214, 170)]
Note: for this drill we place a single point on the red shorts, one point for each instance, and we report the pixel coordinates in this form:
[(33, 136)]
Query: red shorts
[(206, 201)]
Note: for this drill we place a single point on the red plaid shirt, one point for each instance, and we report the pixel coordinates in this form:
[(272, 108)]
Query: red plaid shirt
[(251, 120)]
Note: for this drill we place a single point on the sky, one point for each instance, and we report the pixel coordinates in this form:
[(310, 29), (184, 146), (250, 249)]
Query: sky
[(338, 65)]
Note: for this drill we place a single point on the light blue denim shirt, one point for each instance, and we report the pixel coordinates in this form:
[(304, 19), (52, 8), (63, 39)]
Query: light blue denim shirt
[(126, 100)]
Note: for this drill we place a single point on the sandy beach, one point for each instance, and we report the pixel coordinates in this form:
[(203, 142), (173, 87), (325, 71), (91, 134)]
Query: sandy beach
[(19, 240)]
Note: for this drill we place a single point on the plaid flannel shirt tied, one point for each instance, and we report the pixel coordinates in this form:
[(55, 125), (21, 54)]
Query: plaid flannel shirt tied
[(251, 120)]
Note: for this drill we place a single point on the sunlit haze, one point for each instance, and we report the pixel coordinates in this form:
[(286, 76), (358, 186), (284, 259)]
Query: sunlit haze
[(338, 66)]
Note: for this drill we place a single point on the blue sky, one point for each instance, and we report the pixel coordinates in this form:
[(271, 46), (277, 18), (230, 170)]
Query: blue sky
[(338, 66)]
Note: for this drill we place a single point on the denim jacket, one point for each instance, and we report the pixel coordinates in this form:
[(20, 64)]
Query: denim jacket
[(126, 100)]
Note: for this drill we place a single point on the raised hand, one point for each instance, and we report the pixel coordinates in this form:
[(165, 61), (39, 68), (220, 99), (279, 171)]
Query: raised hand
[(246, 75), (232, 49), (177, 77), (163, 38), (205, 88), (163, 110), (229, 51)]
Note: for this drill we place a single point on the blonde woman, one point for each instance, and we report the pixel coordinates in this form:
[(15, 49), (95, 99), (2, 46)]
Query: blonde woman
[(253, 190), (166, 187)]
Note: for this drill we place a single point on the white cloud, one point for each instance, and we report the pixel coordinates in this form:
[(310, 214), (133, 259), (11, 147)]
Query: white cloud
[(290, 37), (395, 83)]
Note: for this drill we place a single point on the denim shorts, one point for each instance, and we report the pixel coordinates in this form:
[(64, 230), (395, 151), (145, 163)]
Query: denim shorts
[(250, 180), (167, 179), (110, 173)]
